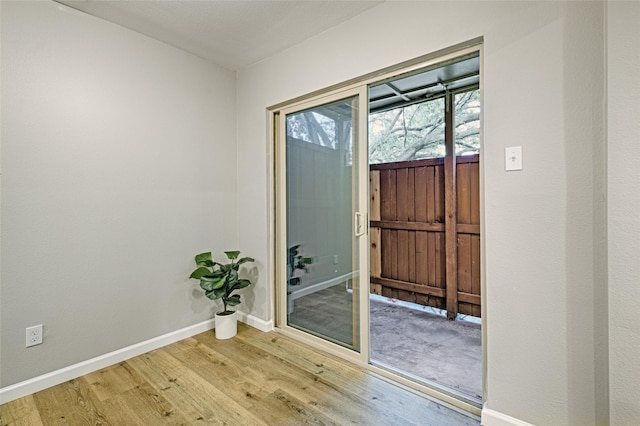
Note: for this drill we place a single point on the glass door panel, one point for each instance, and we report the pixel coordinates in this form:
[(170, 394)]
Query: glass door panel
[(321, 215)]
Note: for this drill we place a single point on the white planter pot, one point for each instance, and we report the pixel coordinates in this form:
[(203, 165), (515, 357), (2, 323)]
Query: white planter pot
[(226, 326)]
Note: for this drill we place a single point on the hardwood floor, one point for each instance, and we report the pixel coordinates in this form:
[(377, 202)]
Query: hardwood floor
[(255, 378)]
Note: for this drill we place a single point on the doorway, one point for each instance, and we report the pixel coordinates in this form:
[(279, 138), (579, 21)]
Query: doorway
[(339, 255), (425, 307)]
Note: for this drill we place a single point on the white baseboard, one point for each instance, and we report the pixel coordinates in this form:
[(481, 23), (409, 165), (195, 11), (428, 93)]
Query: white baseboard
[(255, 322), (496, 418), (36, 384)]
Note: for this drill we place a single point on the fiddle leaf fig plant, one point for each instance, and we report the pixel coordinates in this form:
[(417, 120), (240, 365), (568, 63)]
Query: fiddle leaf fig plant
[(220, 280), (295, 261)]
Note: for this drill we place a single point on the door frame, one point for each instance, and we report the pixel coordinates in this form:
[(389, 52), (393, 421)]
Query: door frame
[(360, 204), (449, 399)]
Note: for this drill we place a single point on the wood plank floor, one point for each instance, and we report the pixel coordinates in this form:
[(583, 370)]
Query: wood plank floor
[(255, 378)]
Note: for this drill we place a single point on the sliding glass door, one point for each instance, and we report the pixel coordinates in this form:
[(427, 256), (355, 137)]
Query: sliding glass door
[(323, 217), (371, 264)]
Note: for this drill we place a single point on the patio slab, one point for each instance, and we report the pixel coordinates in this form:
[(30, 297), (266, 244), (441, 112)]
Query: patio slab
[(427, 345)]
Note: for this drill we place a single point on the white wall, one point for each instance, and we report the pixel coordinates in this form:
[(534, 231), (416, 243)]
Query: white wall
[(543, 90), (623, 131), (118, 166)]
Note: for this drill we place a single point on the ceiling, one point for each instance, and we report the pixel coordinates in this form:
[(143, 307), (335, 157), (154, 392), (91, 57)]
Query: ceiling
[(232, 34)]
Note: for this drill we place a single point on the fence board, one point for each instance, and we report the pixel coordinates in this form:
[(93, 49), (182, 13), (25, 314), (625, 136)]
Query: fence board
[(412, 256), (403, 255), (431, 238), (463, 194), (389, 292), (420, 191), (388, 194), (414, 226), (464, 263), (374, 193), (440, 259), (411, 208), (375, 258), (475, 273), (420, 163), (389, 253), (375, 288), (431, 194), (422, 258), (439, 193), (408, 245), (402, 285), (474, 193), (469, 298), (468, 229), (402, 195)]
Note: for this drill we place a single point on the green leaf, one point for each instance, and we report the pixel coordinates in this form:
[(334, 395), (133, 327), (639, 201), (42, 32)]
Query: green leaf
[(306, 261), (245, 260), (218, 273), (232, 254), (200, 272), (216, 293), (220, 283), (213, 295), (206, 285), (233, 300), (204, 259), (242, 284), (212, 282), (209, 278)]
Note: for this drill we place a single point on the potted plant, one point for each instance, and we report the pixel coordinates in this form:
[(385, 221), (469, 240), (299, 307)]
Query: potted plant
[(219, 281), (295, 261)]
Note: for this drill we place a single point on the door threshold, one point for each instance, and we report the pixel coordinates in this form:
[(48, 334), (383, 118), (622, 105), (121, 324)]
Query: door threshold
[(450, 398)]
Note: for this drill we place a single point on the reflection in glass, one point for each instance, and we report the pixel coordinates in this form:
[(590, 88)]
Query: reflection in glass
[(320, 294)]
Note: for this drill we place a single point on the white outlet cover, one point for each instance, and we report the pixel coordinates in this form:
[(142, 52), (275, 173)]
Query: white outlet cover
[(34, 335), (513, 158)]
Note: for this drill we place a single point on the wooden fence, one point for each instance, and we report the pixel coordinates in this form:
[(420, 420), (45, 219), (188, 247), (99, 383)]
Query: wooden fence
[(408, 244)]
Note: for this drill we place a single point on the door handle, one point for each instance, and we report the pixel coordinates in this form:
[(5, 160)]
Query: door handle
[(359, 228)]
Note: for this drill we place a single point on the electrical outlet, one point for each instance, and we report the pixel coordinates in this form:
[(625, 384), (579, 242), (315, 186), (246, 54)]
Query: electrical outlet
[(34, 335)]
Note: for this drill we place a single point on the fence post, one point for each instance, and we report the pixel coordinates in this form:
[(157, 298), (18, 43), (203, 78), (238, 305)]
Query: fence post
[(450, 204)]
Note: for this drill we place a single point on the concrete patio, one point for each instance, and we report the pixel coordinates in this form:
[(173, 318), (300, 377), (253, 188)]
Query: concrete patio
[(427, 345)]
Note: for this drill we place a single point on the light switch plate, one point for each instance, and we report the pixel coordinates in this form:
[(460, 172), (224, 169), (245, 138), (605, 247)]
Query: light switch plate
[(513, 158)]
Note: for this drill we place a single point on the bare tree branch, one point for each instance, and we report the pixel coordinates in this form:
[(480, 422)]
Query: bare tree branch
[(433, 140)]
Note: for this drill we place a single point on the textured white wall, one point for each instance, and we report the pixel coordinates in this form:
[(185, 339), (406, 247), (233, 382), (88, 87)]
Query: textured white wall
[(543, 89), (623, 131), (118, 165)]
